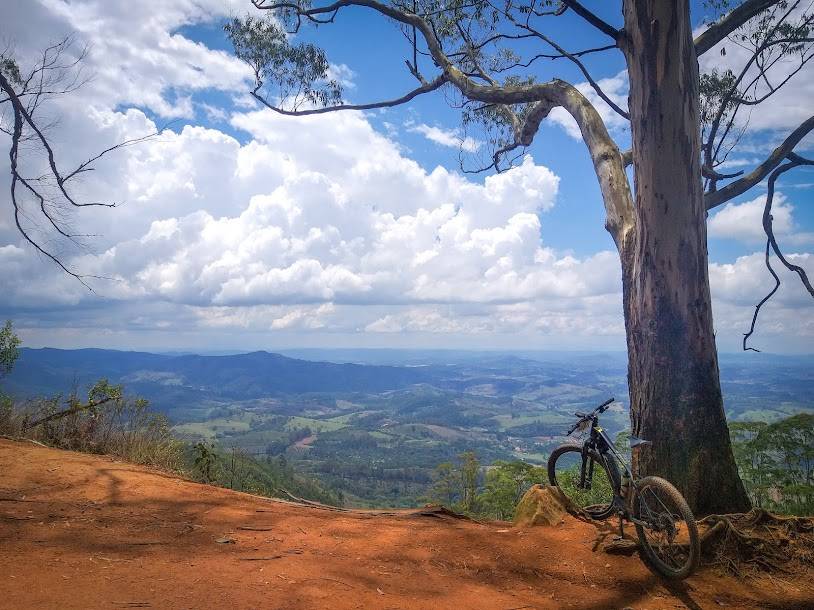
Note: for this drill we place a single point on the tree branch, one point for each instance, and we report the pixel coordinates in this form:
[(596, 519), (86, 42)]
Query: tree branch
[(733, 189), (771, 241), (595, 21), (77, 408), (725, 101), (762, 301), (794, 161), (23, 95), (733, 20), (526, 64), (60, 180), (582, 68), (604, 153), (428, 87)]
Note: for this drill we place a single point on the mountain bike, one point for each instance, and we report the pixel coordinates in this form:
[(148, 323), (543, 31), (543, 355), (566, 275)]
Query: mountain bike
[(589, 476)]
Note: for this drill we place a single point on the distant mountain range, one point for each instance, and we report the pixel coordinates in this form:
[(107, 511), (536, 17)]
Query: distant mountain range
[(185, 384), (161, 378)]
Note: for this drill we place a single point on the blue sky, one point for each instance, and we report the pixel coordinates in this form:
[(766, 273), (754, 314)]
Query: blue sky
[(376, 55), (245, 230)]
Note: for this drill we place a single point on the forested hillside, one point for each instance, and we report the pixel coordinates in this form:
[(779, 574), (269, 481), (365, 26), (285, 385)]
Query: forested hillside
[(377, 428)]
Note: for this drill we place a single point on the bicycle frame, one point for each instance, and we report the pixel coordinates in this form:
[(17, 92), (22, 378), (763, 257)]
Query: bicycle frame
[(602, 445)]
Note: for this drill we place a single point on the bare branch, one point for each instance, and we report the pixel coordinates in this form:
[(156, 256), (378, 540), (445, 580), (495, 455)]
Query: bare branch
[(772, 89), (72, 410), (762, 301), (595, 21), (426, 88), (735, 19), (794, 160), (563, 53), (708, 172), (528, 63), (27, 119), (85, 165), (18, 123), (733, 189), (23, 95)]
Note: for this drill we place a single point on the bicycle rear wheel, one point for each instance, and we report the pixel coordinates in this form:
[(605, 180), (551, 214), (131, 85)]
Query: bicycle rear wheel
[(668, 535), (596, 498)]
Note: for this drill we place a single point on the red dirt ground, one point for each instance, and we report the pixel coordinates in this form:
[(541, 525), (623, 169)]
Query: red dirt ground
[(83, 531)]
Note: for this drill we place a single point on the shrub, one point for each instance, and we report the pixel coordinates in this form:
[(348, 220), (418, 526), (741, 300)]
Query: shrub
[(107, 423)]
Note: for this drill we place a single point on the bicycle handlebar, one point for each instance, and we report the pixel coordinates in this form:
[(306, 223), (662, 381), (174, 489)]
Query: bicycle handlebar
[(601, 408), (582, 417)]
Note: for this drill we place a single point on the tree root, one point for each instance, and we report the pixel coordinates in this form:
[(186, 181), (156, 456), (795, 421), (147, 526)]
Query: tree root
[(757, 541)]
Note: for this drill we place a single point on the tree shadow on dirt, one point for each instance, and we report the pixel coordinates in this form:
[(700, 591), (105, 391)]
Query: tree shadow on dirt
[(123, 513)]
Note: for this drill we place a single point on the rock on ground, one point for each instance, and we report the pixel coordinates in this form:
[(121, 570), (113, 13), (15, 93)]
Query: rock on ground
[(542, 505)]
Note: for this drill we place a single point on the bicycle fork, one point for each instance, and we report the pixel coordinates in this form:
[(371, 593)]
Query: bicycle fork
[(585, 482)]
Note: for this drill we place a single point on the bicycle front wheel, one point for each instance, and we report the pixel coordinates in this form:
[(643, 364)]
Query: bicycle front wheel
[(595, 497), (668, 535)]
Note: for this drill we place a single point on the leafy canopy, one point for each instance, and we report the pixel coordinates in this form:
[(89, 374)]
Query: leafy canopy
[(300, 72)]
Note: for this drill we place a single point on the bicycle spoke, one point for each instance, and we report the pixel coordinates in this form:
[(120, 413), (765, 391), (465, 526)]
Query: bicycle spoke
[(596, 495), (663, 529)]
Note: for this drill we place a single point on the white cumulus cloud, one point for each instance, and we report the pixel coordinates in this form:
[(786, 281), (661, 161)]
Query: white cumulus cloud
[(447, 137), (271, 224)]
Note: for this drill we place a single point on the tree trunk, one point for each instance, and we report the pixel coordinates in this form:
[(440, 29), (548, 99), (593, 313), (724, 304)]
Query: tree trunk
[(675, 392)]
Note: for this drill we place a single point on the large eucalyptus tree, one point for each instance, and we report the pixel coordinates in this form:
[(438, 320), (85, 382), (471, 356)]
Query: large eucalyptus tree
[(487, 53)]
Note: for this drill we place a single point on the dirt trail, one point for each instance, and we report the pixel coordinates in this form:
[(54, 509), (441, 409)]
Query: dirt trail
[(82, 531)]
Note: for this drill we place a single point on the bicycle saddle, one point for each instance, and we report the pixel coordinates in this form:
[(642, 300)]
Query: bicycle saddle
[(636, 441)]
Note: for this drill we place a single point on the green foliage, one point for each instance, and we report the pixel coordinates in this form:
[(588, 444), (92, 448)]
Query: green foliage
[(9, 352), (456, 484), (300, 72), (204, 461), (271, 476), (459, 486), (111, 423), (717, 8), (506, 482), (10, 69), (444, 488), (490, 121), (108, 422), (601, 490), (776, 462), (382, 449), (469, 472), (7, 417), (772, 36), (716, 87)]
